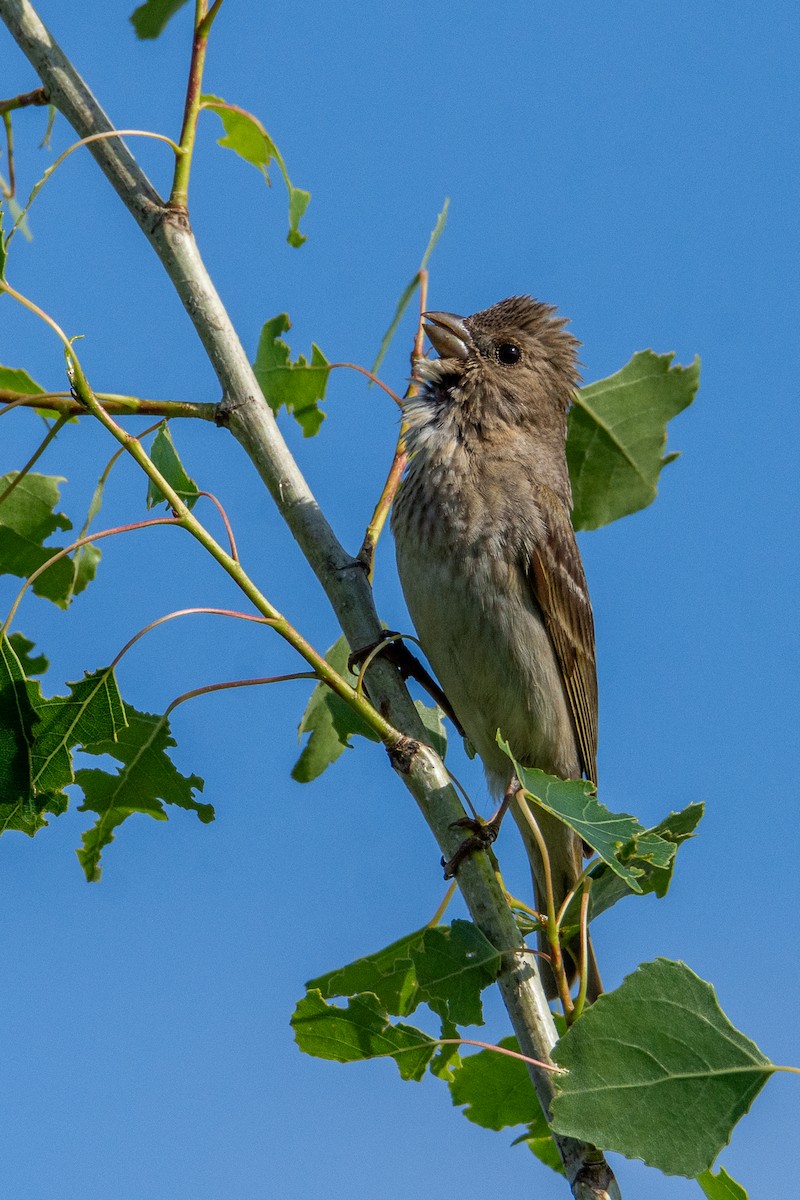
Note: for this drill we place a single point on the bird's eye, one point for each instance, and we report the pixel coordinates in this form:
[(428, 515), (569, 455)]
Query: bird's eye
[(508, 354)]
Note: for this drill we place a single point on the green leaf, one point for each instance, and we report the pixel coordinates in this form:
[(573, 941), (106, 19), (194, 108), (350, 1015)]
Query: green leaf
[(410, 288), (657, 1071), (330, 721), (608, 887), (389, 974), (498, 1093), (247, 137), (432, 719), (27, 519), (453, 965), (92, 714), (360, 1031), (150, 18), (14, 379), (617, 431), (720, 1186), (574, 802), (165, 458), (20, 808), (444, 966), (296, 386), (31, 664), (85, 562), (146, 781)]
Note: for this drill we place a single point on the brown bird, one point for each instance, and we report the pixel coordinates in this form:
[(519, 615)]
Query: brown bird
[(488, 560)]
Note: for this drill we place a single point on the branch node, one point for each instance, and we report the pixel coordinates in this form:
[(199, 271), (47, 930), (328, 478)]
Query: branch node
[(402, 754)]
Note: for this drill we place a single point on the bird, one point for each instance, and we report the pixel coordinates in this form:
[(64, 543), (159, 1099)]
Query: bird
[(489, 565)]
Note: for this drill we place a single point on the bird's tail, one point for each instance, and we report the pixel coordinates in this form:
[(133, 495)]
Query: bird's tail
[(565, 852)]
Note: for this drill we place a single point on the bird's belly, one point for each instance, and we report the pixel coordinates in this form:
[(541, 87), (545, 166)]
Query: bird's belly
[(483, 634)]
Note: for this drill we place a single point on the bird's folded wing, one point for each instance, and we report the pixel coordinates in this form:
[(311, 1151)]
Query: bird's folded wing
[(559, 585)]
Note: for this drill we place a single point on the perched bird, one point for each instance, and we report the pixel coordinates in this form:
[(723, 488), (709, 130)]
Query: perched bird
[(488, 560)]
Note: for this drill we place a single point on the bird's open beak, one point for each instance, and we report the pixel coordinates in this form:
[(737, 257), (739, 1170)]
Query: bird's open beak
[(448, 334)]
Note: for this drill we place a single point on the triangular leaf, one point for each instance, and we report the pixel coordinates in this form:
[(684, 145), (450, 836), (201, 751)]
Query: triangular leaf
[(617, 431), (165, 458), (657, 1071), (330, 720)]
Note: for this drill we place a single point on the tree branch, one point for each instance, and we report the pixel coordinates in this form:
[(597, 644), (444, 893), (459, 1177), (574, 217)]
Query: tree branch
[(343, 578)]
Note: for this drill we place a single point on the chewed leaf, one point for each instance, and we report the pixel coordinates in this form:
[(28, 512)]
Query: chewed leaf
[(297, 386), (145, 782), (247, 137), (360, 1031), (574, 802), (617, 432)]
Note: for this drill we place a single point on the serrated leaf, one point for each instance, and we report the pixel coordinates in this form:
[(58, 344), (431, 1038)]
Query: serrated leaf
[(20, 808), (617, 431), (453, 965), (247, 137), (410, 288), (150, 18), (720, 1186), (657, 1071), (92, 714), (388, 974), (146, 781), (574, 802), (608, 887), (31, 664), (27, 519), (165, 458), (360, 1031), (329, 720), (299, 386)]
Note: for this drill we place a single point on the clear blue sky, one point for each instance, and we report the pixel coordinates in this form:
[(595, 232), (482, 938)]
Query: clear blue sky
[(636, 165)]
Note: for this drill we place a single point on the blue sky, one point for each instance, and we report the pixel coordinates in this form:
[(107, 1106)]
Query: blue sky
[(636, 165)]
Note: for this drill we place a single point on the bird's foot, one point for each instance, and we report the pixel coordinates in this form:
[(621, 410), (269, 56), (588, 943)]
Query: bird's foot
[(482, 835)]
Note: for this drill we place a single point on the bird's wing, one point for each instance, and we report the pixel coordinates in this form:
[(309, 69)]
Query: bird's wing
[(559, 585)]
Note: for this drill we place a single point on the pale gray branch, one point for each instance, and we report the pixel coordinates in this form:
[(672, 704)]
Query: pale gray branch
[(251, 420)]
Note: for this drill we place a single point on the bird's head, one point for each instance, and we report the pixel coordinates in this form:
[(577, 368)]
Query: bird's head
[(512, 364)]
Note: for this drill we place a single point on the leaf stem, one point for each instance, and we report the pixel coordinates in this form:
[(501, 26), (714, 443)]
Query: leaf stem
[(38, 97), (183, 612), (442, 909), (37, 454), (179, 195), (76, 545), (535, 1062), (235, 683), (551, 925)]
